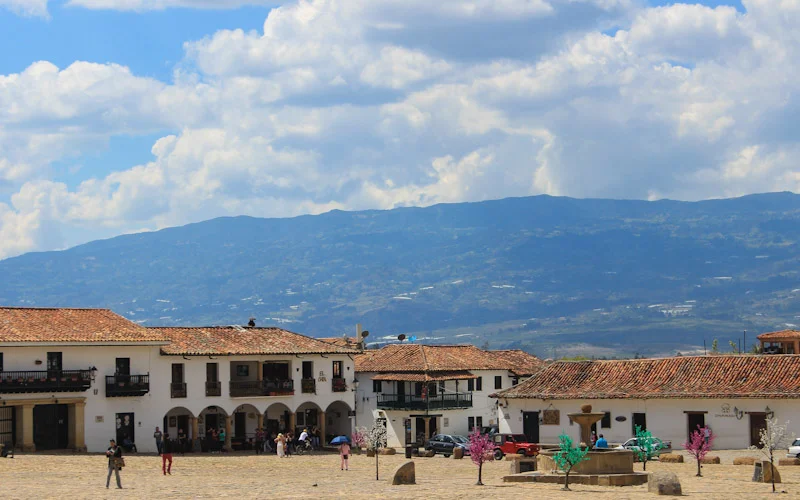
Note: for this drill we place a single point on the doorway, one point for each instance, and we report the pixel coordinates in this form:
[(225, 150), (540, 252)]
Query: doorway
[(125, 428), (51, 427), (638, 420), (694, 421), (212, 422), (240, 421), (530, 426), (758, 422), (122, 366), (8, 426)]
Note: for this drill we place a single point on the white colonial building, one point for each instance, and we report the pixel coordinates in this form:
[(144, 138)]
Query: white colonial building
[(670, 397), (422, 390), (75, 378)]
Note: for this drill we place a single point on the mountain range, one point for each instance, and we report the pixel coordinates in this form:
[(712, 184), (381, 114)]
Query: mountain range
[(555, 276)]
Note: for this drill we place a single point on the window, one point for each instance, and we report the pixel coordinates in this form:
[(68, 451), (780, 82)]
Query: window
[(242, 370), (212, 372), (122, 366), (308, 370), (418, 389), (1, 361), (337, 369), (376, 386), (479, 422), (606, 422), (470, 423), (54, 361), (471, 384), (177, 373), (441, 386), (432, 389), (275, 371), (498, 382), (479, 384)]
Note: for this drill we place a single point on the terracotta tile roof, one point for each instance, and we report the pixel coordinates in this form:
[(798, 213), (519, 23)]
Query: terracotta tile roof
[(688, 377), (396, 358), (425, 377), (43, 325), (237, 340), (340, 341), (783, 334)]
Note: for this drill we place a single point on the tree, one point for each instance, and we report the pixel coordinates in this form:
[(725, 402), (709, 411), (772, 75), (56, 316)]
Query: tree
[(646, 446), (360, 438), (376, 439), (774, 437), (698, 446), (715, 346), (480, 448), (568, 456)]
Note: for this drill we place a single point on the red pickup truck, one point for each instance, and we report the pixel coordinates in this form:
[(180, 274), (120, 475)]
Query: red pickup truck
[(513, 443)]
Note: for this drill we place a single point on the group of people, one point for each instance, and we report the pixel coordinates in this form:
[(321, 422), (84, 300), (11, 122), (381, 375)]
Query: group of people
[(286, 444), (598, 441), (178, 445)]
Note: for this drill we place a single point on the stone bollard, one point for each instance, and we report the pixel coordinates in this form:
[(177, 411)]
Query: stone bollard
[(387, 451), (768, 470), (370, 453), (672, 458), (789, 461), (664, 483), (758, 473), (709, 459), (744, 461), (458, 453), (405, 474)]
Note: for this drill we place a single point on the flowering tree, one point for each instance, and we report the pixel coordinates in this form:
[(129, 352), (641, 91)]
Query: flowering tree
[(774, 437), (698, 446), (480, 449), (376, 439), (568, 456), (646, 446), (359, 437)]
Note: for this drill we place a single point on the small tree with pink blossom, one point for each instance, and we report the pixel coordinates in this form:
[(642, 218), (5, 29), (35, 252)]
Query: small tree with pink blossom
[(360, 438), (698, 445), (480, 450)]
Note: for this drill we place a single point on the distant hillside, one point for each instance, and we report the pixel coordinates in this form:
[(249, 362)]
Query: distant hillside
[(599, 277)]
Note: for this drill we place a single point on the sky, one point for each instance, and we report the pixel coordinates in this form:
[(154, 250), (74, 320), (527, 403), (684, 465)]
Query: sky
[(120, 116)]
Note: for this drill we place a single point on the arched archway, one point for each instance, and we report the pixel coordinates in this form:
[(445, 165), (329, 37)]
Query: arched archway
[(277, 419), (211, 422), (337, 420), (179, 423), (246, 419), (307, 416)]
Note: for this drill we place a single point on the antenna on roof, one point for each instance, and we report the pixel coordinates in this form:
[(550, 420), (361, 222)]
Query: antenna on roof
[(252, 322), (401, 337)]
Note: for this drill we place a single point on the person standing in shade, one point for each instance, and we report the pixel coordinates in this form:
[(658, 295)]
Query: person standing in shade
[(593, 438), (344, 452), (181, 441), (601, 442), (259, 440), (166, 455), (221, 437), (114, 456), (707, 433), (158, 436)]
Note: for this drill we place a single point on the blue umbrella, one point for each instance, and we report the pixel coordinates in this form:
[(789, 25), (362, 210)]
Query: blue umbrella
[(340, 440)]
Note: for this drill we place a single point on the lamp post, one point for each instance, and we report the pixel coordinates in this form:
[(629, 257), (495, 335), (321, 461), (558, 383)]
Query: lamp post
[(355, 402)]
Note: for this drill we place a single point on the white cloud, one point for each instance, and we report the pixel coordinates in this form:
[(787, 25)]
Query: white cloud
[(35, 8), (350, 104), (148, 5)]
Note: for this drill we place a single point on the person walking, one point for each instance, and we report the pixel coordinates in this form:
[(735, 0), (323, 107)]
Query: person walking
[(344, 452), (707, 433), (280, 443), (159, 437), (593, 438), (259, 440), (166, 455), (114, 456)]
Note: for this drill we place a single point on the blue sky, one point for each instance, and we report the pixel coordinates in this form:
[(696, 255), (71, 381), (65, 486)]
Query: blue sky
[(130, 115)]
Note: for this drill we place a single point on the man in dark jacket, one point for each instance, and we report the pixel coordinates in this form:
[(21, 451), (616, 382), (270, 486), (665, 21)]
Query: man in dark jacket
[(166, 454), (113, 453)]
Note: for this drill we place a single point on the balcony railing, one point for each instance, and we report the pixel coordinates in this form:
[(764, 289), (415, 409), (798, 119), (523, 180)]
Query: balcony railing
[(308, 386), (127, 385), (213, 388), (338, 384), (410, 402), (258, 388), (177, 390), (45, 381)]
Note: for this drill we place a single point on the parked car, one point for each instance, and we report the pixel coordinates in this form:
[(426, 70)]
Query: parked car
[(490, 430), (794, 449), (446, 443), (633, 444), (513, 443)]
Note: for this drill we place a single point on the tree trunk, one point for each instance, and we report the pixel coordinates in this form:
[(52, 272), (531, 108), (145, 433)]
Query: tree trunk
[(376, 464), (566, 479), (644, 464), (480, 470), (698, 467)]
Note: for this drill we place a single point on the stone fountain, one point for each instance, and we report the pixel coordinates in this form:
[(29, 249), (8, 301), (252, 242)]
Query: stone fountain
[(604, 467)]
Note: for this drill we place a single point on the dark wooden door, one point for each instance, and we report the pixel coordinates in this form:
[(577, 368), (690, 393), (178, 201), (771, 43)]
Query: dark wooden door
[(694, 420), (758, 422), (530, 426), (8, 427), (640, 420), (125, 428), (240, 421), (50, 427), (123, 366)]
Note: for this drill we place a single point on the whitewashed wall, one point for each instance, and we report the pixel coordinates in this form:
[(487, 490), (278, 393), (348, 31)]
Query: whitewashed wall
[(665, 418)]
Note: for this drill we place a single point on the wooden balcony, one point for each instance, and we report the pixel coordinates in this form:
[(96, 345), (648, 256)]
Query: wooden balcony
[(419, 403), (261, 388), (213, 389), (127, 385), (308, 386), (177, 390), (45, 381), (338, 384)]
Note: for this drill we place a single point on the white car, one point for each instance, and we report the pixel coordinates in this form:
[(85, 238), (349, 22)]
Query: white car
[(794, 449), (633, 444)]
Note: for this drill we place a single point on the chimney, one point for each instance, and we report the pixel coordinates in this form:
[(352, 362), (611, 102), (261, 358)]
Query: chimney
[(359, 338)]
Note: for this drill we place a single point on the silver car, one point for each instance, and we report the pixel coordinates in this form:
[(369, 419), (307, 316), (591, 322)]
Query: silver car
[(633, 445), (794, 449)]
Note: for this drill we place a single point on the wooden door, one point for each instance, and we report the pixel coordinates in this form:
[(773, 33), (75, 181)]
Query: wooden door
[(758, 421)]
